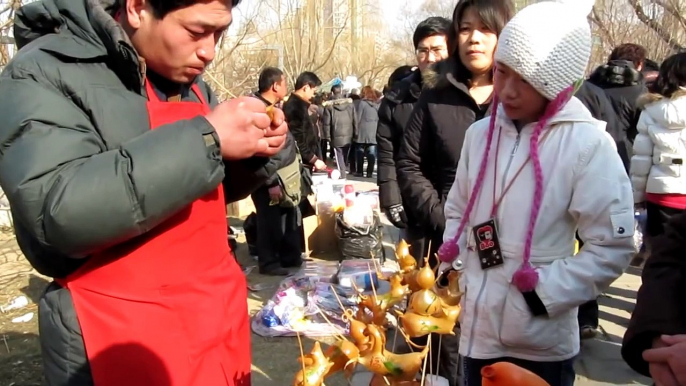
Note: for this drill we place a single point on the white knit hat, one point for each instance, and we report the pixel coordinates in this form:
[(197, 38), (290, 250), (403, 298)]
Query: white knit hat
[(548, 44)]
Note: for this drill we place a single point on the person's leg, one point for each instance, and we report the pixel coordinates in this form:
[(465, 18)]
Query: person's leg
[(448, 356), (323, 149), (340, 161), (269, 233), (349, 151), (370, 152), (359, 158), (658, 216), (290, 254), (471, 369)]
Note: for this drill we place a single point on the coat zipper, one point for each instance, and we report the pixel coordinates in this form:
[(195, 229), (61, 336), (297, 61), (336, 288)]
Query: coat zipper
[(485, 278)]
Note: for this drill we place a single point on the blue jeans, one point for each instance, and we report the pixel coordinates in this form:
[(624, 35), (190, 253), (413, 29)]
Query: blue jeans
[(364, 150), (555, 373)]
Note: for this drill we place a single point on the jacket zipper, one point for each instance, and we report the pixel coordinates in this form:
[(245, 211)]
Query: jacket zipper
[(485, 278)]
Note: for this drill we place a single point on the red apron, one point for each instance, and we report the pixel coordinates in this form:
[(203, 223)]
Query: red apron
[(170, 307)]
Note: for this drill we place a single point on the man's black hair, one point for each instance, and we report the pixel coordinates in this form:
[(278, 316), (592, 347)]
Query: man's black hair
[(307, 78), (337, 89), (432, 26), (162, 7), (268, 77)]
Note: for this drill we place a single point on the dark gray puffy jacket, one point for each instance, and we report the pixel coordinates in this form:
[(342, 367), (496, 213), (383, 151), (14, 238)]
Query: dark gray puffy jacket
[(367, 121), (79, 164), (340, 121)]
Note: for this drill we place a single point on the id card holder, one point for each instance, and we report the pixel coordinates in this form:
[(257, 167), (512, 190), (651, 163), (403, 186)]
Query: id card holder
[(487, 244)]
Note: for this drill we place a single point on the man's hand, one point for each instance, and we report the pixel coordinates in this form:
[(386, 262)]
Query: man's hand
[(275, 133), (275, 193), (320, 165), (245, 130), (667, 360), (396, 215)]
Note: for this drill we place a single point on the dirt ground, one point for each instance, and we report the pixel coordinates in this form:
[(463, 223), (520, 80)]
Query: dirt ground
[(274, 359)]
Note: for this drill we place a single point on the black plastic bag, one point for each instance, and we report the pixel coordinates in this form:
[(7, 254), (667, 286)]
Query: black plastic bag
[(360, 242)]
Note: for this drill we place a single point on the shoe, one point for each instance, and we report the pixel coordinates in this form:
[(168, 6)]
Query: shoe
[(276, 271), (588, 332)]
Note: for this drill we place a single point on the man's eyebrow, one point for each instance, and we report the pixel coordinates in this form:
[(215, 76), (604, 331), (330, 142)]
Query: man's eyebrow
[(205, 25)]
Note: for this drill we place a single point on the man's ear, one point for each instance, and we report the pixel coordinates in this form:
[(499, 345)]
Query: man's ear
[(137, 13)]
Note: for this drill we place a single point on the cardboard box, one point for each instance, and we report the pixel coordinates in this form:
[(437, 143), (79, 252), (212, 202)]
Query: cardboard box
[(320, 236)]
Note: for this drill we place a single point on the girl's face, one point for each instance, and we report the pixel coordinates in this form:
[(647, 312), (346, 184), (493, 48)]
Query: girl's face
[(520, 100), (476, 43)]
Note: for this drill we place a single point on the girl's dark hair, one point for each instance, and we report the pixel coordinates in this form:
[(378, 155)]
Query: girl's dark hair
[(672, 75), (493, 13)]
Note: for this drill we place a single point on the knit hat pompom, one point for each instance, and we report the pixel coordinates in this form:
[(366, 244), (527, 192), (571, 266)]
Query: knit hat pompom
[(548, 44)]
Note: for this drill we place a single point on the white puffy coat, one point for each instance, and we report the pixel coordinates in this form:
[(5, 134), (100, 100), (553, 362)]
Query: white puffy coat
[(658, 164), (586, 188)]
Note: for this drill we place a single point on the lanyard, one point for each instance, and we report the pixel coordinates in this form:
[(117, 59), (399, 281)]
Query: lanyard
[(496, 203)]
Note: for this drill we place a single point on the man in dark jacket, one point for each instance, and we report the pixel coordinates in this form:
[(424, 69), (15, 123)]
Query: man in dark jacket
[(430, 45), (114, 154), (296, 110), (623, 83), (655, 342), (600, 107), (278, 237), (341, 121)]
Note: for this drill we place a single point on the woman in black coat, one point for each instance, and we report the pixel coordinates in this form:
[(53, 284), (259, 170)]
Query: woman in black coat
[(457, 92)]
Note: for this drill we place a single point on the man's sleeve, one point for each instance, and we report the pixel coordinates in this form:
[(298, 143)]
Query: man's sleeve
[(74, 195), (389, 192), (296, 124), (660, 307), (424, 201)]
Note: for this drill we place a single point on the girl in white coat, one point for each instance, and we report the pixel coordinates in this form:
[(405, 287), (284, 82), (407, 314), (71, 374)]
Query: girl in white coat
[(658, 172), (542, 152)]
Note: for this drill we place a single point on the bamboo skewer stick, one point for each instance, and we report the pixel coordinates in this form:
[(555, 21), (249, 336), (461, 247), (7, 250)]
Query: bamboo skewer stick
[(425, 360), (338, 336), (302, 353)]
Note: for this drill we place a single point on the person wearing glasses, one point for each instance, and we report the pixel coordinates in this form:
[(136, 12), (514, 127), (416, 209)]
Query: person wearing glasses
[(394, 112)]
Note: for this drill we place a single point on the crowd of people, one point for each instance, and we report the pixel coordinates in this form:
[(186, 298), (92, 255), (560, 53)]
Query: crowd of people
[(497, 156)]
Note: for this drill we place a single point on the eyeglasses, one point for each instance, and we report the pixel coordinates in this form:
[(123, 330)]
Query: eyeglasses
[(438, 52)]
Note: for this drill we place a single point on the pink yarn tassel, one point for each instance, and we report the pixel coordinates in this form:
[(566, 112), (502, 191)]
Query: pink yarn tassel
[(526, 277), (450, 250)]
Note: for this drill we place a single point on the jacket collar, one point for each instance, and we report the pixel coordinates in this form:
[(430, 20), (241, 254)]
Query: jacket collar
[(670, 113), (85, 30)]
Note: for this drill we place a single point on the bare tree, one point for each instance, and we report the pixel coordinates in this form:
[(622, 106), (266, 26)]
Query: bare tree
[(658, 25)]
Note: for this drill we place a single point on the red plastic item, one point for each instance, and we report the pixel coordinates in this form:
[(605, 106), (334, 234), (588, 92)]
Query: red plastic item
[(507, 374)]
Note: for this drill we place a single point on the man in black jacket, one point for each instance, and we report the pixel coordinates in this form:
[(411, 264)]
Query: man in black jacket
[(278, 237), (430, 46), (600, 107), (296, 110), (341, 121), (623, 83)]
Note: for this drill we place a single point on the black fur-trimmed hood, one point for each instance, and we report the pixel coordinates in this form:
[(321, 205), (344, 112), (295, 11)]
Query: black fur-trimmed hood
[(441, 74)]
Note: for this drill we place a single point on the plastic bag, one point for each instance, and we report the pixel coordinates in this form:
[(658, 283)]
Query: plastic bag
[(360, 242), (641, 219)]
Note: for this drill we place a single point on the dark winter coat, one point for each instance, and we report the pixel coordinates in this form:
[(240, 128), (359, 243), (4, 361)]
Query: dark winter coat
[(394, 113), (623, 85), (79, 164), (367, 121), (285, 157), (595, 100), (297, 115), (660, 303), (432, 143), (340, 121)]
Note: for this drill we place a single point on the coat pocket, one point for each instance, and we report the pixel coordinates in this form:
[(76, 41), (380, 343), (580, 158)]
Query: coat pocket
[(520, 329)]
